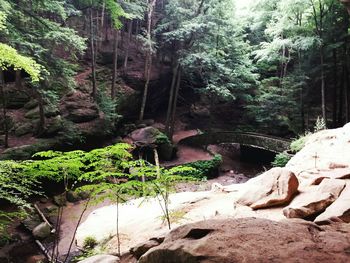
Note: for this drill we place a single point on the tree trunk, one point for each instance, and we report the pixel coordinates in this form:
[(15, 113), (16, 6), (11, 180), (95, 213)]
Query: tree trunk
[(4, 111), (176, 95), (41, 113), (128, 45), (335, 88), (93, 58), (115, 64), (323, 86), (171, 98), (148, 63), (18, 79)]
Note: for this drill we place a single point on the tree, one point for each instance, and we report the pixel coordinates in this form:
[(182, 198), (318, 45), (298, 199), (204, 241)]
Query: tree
[(149, 52)]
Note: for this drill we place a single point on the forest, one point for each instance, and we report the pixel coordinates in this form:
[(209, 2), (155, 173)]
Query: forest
[(123, 99)]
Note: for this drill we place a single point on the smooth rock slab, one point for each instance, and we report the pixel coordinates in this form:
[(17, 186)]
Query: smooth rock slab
[(340, 208), (101, 259), (315, 199), (252, 240), (274, 187)]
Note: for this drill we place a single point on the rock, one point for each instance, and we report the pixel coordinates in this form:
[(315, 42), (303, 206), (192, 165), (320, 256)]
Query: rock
[(275, 187), (26, 151), (41, 231), (314, 199), (142, 248), (60, 200), (53, 126), (200, 111), (79, 108), (150, 136), (73, 196), (145, 136), (24, 129), (17, 99), (340, 208), (31, 104), (339, 173), (101, 259), (323, 150), (31, 222), (252, 240), (83, 115)]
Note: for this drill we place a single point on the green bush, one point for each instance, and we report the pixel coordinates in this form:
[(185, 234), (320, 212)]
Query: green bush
[(206, 168), (89, 242), (281, 160), (298, 144)]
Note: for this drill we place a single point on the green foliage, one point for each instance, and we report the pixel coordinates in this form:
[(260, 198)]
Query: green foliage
[(162, 138), (320, 124), (9, 57), (89, 242), (298, 144), (281, 160), (203, 169), (16, 190)]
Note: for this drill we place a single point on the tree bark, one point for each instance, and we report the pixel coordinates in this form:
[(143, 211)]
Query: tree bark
[(115, 64), (148, 63), (335, 88), (128, 45), (176, 95), (93, 58), (171, 98), (4, 111), (323, 85)]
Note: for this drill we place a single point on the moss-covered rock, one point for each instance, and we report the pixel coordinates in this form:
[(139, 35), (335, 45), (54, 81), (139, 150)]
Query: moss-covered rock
[(26, 151), (24, 129)]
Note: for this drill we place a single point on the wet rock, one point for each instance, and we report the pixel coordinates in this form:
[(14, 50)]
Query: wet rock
[(252, 240), (314, 199), (340, 208), (83, 115), (275, 187), (41, 231), (101, 259)]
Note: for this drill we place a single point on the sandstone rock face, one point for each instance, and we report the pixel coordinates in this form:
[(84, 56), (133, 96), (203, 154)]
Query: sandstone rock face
[(141, 249), (340, 208), (79, 108), (252, 240), (315, 199), (275, 187), (327, 149), (101, 259)]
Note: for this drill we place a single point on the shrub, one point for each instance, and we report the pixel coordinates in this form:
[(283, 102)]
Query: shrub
[(281, 160), (207, 168), (298, 144), (89, 242)]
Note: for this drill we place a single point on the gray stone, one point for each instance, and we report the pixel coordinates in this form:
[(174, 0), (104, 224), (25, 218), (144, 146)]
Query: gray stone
[(41, 231)]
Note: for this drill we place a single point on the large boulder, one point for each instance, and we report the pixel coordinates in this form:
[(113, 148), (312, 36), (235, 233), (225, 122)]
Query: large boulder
[(340, 208), (150, 137), (315, 199), (79, 108), (252, 240), (275, 187), (101, 259)]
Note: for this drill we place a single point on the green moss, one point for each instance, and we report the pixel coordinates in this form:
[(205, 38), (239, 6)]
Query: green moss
[(299, 143)]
